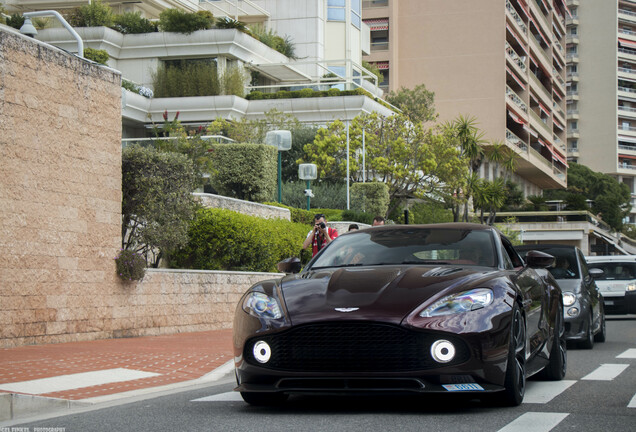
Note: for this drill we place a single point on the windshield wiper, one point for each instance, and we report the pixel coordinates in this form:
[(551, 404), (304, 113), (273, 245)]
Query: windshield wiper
[(338, 266)]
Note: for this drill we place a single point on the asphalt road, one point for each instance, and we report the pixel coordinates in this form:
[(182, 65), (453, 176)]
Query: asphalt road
[(598, 394)]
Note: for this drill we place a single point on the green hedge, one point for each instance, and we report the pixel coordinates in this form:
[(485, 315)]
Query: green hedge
[(244, 171), (221, 239), (372, 198)]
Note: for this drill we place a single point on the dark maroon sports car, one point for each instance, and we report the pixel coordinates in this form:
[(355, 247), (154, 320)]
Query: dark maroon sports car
[(403, 309)]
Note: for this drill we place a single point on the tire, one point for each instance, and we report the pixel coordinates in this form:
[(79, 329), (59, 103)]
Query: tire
[(515, 380), (557, 365), (588, 342), (602, 332), (264, 399)]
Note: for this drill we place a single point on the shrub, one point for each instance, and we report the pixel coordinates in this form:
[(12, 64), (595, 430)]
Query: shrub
[(133, 23), (357, 216), (175, 20), (233, 81), (244, 171), (221, 239), (187, 78), (157, 200), (15, 20), (130, 265), (98, 56), (370, 198), (130, 86), (231, 23), (94, 14)]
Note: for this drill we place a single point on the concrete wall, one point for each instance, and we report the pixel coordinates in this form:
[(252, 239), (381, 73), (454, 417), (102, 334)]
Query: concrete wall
[(245, 207)]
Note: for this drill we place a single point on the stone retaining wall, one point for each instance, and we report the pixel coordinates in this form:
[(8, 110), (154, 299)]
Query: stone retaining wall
[(245, 207)]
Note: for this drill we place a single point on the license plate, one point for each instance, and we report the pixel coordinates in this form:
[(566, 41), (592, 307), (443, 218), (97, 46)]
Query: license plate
[(609, 302), (463, 387)]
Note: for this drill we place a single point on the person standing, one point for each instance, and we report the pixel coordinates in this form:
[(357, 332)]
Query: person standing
[(320, 236)]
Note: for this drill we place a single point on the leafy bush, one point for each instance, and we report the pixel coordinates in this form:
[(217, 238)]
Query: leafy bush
[(370, 198), (98, 56), (233, 81), (130, 265), (424, 213), (244, 171), (297, 215), (231, 23), (271, 39), (326, 194), (357, 216), (178, 21), (130, 86), (221, 239), (186, 79), (94, 14), (15, 20), (157, 201), (133, 23)]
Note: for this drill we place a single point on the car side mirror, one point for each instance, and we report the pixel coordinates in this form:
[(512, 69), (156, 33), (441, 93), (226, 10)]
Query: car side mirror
[(289, 265), (537, 259), (596, 272)]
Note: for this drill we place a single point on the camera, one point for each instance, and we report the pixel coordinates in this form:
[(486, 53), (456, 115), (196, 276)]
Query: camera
[(322, 225)]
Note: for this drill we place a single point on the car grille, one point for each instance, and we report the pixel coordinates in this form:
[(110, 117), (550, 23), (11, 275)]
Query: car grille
[(353, 347)]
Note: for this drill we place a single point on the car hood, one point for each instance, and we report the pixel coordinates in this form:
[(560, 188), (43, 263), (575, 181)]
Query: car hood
[(380, 293)]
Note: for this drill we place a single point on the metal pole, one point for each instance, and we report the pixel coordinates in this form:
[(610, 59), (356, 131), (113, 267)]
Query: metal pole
[(364, 155), (280, 176), (347, 164), (308, 197)]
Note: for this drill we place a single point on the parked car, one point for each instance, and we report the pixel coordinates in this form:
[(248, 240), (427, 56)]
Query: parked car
[(405, 309), (617, 283), (583, 303)]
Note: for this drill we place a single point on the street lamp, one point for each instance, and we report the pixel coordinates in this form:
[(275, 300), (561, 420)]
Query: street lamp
[(28, 29), (281, 139), (308, 172)]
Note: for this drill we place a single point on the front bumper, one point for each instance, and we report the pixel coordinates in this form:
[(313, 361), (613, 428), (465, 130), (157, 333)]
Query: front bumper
[(624, 304)]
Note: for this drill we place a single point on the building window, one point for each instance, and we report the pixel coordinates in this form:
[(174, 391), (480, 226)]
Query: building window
[(336, 10), (573, 144), (356, 12), (380, 40)]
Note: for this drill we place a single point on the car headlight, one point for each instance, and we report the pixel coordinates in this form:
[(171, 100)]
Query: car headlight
[(458, 303), (630, 287), (568, 298), (261, 305)]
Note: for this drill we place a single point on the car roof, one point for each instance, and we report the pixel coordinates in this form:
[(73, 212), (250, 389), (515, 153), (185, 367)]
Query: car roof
[(611, 258), (544, 246)]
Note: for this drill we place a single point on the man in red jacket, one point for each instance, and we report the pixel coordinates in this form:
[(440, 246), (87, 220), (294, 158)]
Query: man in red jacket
[(320, 236)]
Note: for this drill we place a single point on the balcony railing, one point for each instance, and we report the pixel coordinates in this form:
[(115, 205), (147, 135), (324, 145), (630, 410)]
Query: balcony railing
[(515, 57), (511, 9), (514, 97), (627, 51), (513, 139), (626, 108), (626, 89), (150, 141), (626, 31), (627, 70), (627, 12), (374, 3), (559, 46), (627, 128), (379, 46), (626, 147)]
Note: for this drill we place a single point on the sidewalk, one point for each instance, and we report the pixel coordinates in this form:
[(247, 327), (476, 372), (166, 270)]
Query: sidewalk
[(102, 370)]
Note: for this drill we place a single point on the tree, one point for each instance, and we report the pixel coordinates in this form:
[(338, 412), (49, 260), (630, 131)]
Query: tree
[(157, 201), (412, 161), (416, 104)]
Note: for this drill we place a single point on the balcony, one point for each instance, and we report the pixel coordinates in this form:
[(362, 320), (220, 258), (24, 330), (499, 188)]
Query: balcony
[(626, 15), (542, 56), (512, 96), (516, 60), (627, 111), (627, 53), (514, 141), (572, 57), (573, 76), (572, 95), (540, 90), (374, 3), (540, 125), (573, 114), (572, 39), (572, 21), (573, 134), (511, 12)]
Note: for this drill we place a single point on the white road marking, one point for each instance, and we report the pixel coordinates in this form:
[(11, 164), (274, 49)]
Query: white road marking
[(606, 372), (534, 422), (632, 403), (75, 381), (221, 397), (630, 353), (544, 392)]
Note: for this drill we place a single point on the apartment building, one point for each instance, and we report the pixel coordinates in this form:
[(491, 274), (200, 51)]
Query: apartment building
[(500, 61), (329, 38), (601, 92)]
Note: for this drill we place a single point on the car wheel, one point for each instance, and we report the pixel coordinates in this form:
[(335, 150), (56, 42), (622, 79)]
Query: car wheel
[(557, 365), (588, 342), (264, 399), (602, 333), (515, 380)]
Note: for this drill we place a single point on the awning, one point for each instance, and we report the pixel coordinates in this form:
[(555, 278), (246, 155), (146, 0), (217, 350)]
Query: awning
[(377, 24), (544, 109), (559, 157), (539, 30), (556, 30), (516, 118), (514, 76), (281, 72), (624, 156), (382, 65), (627, 43), (530, 130), (557, 124)]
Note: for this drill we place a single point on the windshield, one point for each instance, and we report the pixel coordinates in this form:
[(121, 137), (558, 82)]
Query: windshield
[(615, 270), (413, 246)]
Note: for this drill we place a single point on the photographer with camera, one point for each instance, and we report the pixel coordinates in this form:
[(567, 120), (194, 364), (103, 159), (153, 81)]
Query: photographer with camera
[(320, 236)]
